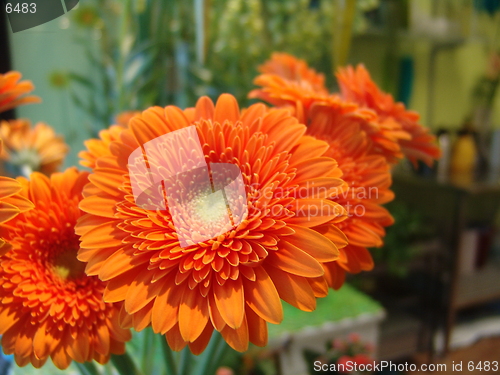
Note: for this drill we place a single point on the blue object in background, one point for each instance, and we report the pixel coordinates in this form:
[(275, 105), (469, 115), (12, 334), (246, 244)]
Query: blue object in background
[(5, 363), (406, 74), (488, 6)]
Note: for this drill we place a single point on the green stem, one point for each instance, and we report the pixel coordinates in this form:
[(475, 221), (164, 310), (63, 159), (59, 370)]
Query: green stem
[(147, 349), (123, 52), (186, 359), (124, 364), (87, 368), (211, 356), (168, 357)]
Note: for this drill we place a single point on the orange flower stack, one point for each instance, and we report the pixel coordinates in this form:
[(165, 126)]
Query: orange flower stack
[(367, 132), (49, 307)]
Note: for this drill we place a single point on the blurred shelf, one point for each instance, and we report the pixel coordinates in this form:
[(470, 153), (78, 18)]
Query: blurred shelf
[(479, 287), (399, 335)]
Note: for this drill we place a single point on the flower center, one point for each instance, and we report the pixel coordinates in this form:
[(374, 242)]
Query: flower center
[(210, 209), (67, 266), (24, 162)]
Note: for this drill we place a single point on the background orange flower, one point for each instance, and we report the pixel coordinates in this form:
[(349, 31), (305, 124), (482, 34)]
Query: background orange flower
[(12, 91), (288, 81), (394, 132), (234, 282), (357, 86), (48, 306), (28, 148), (99, 147), (369, 180)]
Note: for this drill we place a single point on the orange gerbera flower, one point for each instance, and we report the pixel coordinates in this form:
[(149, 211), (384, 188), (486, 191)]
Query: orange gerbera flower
[(48, 306), (30, 149), (294, 69), (357, 86), (369, 180), (11, 91), (11, 203), (394, 134), (170, 269), (288, 81), (123, 118), (100, 147)]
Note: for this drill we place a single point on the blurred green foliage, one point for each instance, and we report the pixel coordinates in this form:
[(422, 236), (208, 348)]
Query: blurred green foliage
[(160, 52), (403, 239)]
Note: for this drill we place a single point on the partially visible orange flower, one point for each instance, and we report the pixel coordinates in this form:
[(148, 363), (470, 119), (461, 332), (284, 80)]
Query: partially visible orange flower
[(289, 67), (30, 148), (282, 87), (232, 282), (11, 203), (48, 306), (357, 86), (12, 91), (288, 81), (369, 180), (100, 147), (123, 118)]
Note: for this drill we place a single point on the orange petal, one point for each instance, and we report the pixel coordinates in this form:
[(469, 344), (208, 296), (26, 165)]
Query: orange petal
[(204, 108), (226, 109), (8, 186), (174, 339), (104, 235), (313, 243), (215, 315), (199, 345), (261, 295), (166, 306), (230, 301), (312, 212), (237, 338), (290, 258), (293, 289), (319, 286), (257, 328), (193, 314)]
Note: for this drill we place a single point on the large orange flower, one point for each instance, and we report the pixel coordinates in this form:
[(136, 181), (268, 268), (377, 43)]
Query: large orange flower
[(48, 306), (12, 91), (181, 279), (357, 86), (30, 148), (369, 180)]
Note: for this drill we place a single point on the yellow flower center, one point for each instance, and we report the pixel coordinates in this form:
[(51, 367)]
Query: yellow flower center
[(67, 266)]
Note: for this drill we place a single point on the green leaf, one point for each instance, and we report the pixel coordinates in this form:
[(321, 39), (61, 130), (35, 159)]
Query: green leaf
[(124, 364), (82, 80), (168, 358), (87, 368)]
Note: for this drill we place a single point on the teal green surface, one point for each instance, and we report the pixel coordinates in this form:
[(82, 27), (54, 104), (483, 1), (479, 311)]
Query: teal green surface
[(347, 302)]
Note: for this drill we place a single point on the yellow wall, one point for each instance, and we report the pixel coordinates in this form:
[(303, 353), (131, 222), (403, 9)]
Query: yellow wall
[(456, 69)]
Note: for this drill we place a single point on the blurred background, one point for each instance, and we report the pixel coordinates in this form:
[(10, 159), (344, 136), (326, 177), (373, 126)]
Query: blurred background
[(434, 293)]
